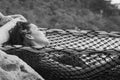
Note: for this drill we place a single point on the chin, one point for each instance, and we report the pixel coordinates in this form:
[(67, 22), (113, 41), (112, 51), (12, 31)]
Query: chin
[(46, 43)]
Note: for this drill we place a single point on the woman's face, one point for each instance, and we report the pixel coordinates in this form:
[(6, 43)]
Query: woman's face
[(38, 36)]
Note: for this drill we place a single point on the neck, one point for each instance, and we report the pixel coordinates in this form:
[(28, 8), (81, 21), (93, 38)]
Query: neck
[(37, 45), (33, 43)]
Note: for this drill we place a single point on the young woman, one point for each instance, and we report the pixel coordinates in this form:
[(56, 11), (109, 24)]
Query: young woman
[(19, 32)]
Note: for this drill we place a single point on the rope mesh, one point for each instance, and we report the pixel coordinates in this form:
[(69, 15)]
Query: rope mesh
[(74, 55)]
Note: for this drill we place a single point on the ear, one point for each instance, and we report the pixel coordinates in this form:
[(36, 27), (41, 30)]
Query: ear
[(29, 36)]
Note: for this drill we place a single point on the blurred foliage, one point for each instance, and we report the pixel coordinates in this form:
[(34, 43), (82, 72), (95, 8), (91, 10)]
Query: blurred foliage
[(66, 14)]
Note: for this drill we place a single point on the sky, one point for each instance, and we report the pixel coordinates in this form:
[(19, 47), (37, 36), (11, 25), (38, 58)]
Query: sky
[(115, 1)]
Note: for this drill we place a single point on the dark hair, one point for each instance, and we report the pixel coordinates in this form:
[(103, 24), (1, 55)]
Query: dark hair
[(17, 34)]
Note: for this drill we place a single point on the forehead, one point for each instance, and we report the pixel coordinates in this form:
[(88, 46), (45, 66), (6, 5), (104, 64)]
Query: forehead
[(33, 26)]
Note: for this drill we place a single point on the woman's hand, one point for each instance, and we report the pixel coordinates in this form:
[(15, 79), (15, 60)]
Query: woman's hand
[(18, 17), (15, 18)]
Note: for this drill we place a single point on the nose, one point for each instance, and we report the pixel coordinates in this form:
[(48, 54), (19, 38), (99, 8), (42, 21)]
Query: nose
[(42, 30)]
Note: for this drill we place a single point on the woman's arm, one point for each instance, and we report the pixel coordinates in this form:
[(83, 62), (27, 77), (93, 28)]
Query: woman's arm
[(4, 30), (9, 25), (12, 23), (6, 19)]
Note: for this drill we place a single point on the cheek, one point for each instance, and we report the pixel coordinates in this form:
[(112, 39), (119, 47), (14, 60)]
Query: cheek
[(40, 37), (39, 33)]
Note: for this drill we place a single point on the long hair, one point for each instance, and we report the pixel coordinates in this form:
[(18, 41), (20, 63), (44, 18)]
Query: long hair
[(17, 34)]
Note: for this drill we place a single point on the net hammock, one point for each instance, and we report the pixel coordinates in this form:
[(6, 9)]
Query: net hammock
[(74, 55)]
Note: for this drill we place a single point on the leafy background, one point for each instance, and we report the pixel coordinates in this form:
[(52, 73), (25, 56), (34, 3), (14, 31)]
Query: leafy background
[(66, 14)]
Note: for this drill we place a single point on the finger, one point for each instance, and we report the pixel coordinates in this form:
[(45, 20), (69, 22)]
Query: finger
[(15, 16), (19, 20), (18, 16), (23, 18)]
